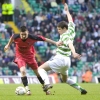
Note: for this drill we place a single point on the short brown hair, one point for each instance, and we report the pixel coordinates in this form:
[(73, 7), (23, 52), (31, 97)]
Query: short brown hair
[(23, 28), (62, 24)]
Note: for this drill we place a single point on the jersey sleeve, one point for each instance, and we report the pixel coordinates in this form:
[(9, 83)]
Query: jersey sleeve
[(71, 28), (38, 37)]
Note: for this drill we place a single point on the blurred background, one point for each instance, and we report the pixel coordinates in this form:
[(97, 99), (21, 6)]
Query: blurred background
[(41, 17)]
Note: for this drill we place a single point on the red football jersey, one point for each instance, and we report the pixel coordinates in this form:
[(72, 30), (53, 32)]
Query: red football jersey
[(25, 49)]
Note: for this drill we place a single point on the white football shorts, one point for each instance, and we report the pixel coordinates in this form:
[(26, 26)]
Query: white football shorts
[(60, 64)]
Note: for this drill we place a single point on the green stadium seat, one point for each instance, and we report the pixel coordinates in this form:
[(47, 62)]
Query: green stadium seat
[(42, 50), (80, 62), (51, 9), (80, 65), (70, 71), (21, 12), (90, 64), (0, 35), (52, 47), (61, 6), (37, 9), (10, 72), (30, 72), (6, 40), (75, 8), (95, 74), (5, 69), (32, 1), (3, 42), (54, 10), (97, 10)]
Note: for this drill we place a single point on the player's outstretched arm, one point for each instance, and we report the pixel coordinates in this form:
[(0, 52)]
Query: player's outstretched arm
[(68, 13), (8, 44), (53, 42), (75, 55)]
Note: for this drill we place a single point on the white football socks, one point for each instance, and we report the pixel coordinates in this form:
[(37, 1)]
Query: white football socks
[(44, 76), (73, 84)]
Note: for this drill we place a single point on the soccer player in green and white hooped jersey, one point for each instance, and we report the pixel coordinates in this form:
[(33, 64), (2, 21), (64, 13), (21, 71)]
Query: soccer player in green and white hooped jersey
[(66, 37), (61, 61)]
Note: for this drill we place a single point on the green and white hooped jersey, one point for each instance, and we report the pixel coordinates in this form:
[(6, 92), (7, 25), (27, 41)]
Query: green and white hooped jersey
[(66, 37)]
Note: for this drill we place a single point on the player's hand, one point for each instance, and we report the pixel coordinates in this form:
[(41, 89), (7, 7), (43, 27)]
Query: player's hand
[(77, 56), (59, 43), (66, 7), (6, 47)]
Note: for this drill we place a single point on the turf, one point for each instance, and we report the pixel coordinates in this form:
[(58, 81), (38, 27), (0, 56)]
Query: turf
[(62, 92)]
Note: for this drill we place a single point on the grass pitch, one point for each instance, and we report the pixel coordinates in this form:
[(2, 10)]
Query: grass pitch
[(62, 92)]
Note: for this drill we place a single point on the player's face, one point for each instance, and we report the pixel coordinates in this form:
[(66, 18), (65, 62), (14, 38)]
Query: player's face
[(60, 30), (24, 35)]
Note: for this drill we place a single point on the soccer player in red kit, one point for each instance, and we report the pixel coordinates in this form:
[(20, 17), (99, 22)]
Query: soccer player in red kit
[(25, 53)]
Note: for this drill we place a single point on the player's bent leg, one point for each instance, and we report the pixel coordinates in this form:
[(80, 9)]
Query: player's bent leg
[(39, 77), (73, 84), (76, 86), (23, 71), (24, 80), (41, 81), (64, 78), (45, 66), (42, 71)]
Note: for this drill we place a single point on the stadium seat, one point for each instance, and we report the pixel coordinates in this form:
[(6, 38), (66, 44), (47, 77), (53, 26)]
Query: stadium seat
[(0, 35), (61, 6), (44, 1), (52, 47), (75, 8), (30, 72), (80, 64), (70, 71), (54, 10), (3, 42), (95, 74), (97, 10), (6, 40), (42, 50), (90, 64), (7, 70), (10, 72), (37, 9)]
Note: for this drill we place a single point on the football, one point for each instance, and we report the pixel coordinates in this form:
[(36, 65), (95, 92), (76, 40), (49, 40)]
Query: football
[(20, 90)]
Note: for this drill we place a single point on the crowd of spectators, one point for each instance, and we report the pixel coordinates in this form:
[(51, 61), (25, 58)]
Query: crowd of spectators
[(87, 40)]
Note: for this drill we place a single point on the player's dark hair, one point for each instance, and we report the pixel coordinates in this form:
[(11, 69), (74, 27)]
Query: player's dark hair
[(62, 24), (23, 28)]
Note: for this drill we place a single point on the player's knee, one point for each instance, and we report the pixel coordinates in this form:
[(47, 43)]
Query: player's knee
[(64, 81), (40, 70), (23, 73), (64, 78)]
